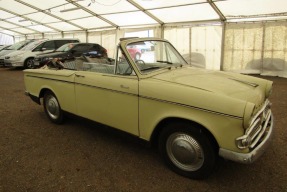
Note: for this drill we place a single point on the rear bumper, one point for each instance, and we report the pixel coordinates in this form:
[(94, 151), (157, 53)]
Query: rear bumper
[(10, 63), (252, 156)]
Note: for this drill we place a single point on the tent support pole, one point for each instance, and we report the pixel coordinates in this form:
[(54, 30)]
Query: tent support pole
[(222, 46)]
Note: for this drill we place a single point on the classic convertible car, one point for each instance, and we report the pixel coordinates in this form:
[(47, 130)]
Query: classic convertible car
[(193, 115)]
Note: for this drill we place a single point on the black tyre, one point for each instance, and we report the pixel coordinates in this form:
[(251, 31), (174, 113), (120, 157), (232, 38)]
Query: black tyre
[(29, 63), (52, 108), (187, 150)]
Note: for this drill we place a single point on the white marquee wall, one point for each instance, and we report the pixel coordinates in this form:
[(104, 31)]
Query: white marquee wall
[(256, 48), (250, 48)]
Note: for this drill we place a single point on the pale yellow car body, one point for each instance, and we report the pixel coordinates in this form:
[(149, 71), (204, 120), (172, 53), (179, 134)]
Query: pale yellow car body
[(220, 102)]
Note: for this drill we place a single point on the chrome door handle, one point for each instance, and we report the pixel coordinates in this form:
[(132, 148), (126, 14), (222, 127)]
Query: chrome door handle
[(124, 87)]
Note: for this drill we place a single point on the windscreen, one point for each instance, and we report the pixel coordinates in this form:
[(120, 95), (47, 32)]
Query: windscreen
[(19, 45), (154, 55), (66, 47)]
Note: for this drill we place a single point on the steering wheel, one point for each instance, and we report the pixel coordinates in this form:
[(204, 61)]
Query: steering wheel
[(140, 61), (128, 71)]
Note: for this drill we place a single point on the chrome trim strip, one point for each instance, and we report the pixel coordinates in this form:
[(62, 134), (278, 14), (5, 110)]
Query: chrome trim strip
[(49, 79), (106, 89), (245, 82), (193, 107), (247, 158)]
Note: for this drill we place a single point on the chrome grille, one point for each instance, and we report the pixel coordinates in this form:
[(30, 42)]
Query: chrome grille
[(258, 129), (259, 125)]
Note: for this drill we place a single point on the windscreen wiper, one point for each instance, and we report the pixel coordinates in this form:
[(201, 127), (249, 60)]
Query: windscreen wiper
[(168, 62), (149, 68)]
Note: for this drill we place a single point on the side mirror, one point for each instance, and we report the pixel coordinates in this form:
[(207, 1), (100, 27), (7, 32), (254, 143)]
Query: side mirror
[(43, 49)]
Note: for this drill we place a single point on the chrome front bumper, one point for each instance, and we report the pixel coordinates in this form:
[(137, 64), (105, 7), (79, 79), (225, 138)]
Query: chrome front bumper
[(252, 156)]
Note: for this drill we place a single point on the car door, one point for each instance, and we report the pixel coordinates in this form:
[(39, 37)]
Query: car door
[(108, 97)]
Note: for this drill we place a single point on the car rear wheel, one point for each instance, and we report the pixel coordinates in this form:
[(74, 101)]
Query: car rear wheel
[(52, 108), (187, 150)]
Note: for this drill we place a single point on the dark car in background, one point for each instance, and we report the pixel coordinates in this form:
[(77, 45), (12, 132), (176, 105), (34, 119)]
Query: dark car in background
[(69, 51)]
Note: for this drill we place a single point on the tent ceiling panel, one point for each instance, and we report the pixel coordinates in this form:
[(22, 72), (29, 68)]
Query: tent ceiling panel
[(108, 6), (62, 26), (24, 30), (251, 8), (42, 18), (7, 25), (41, 28), (45, 5), (5, 15), (198, 12), (130, 18), (16, 7), (70, 15), (9, 32), (91, 22), (166, 3), (19, 21)]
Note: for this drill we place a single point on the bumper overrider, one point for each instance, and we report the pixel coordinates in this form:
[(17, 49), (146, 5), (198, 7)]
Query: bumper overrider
[(256, 138)]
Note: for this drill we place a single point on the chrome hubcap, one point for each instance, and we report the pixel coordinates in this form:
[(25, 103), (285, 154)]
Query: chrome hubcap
[(184, 151), (52, 107)]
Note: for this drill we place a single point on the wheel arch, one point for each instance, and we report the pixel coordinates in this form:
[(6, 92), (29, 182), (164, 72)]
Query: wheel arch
[(159, 127), (43, 90)]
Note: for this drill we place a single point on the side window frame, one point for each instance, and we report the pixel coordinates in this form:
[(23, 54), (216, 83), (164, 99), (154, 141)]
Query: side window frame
[(41, 46), (117, 63)]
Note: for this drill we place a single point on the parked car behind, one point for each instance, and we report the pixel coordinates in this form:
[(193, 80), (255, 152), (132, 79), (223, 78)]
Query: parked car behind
[(12, 48), (69, 51), (25, 57), (134, 52)]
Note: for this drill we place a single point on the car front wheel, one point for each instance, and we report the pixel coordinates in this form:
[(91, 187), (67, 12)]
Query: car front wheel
[(29, 63), (52, 108), (187, 150)]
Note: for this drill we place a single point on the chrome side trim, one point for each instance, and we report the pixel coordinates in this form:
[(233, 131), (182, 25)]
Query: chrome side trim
[(192, 107), (247, 158)]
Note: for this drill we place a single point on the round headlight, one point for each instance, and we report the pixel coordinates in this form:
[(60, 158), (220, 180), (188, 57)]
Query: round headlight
[(268, 89)]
